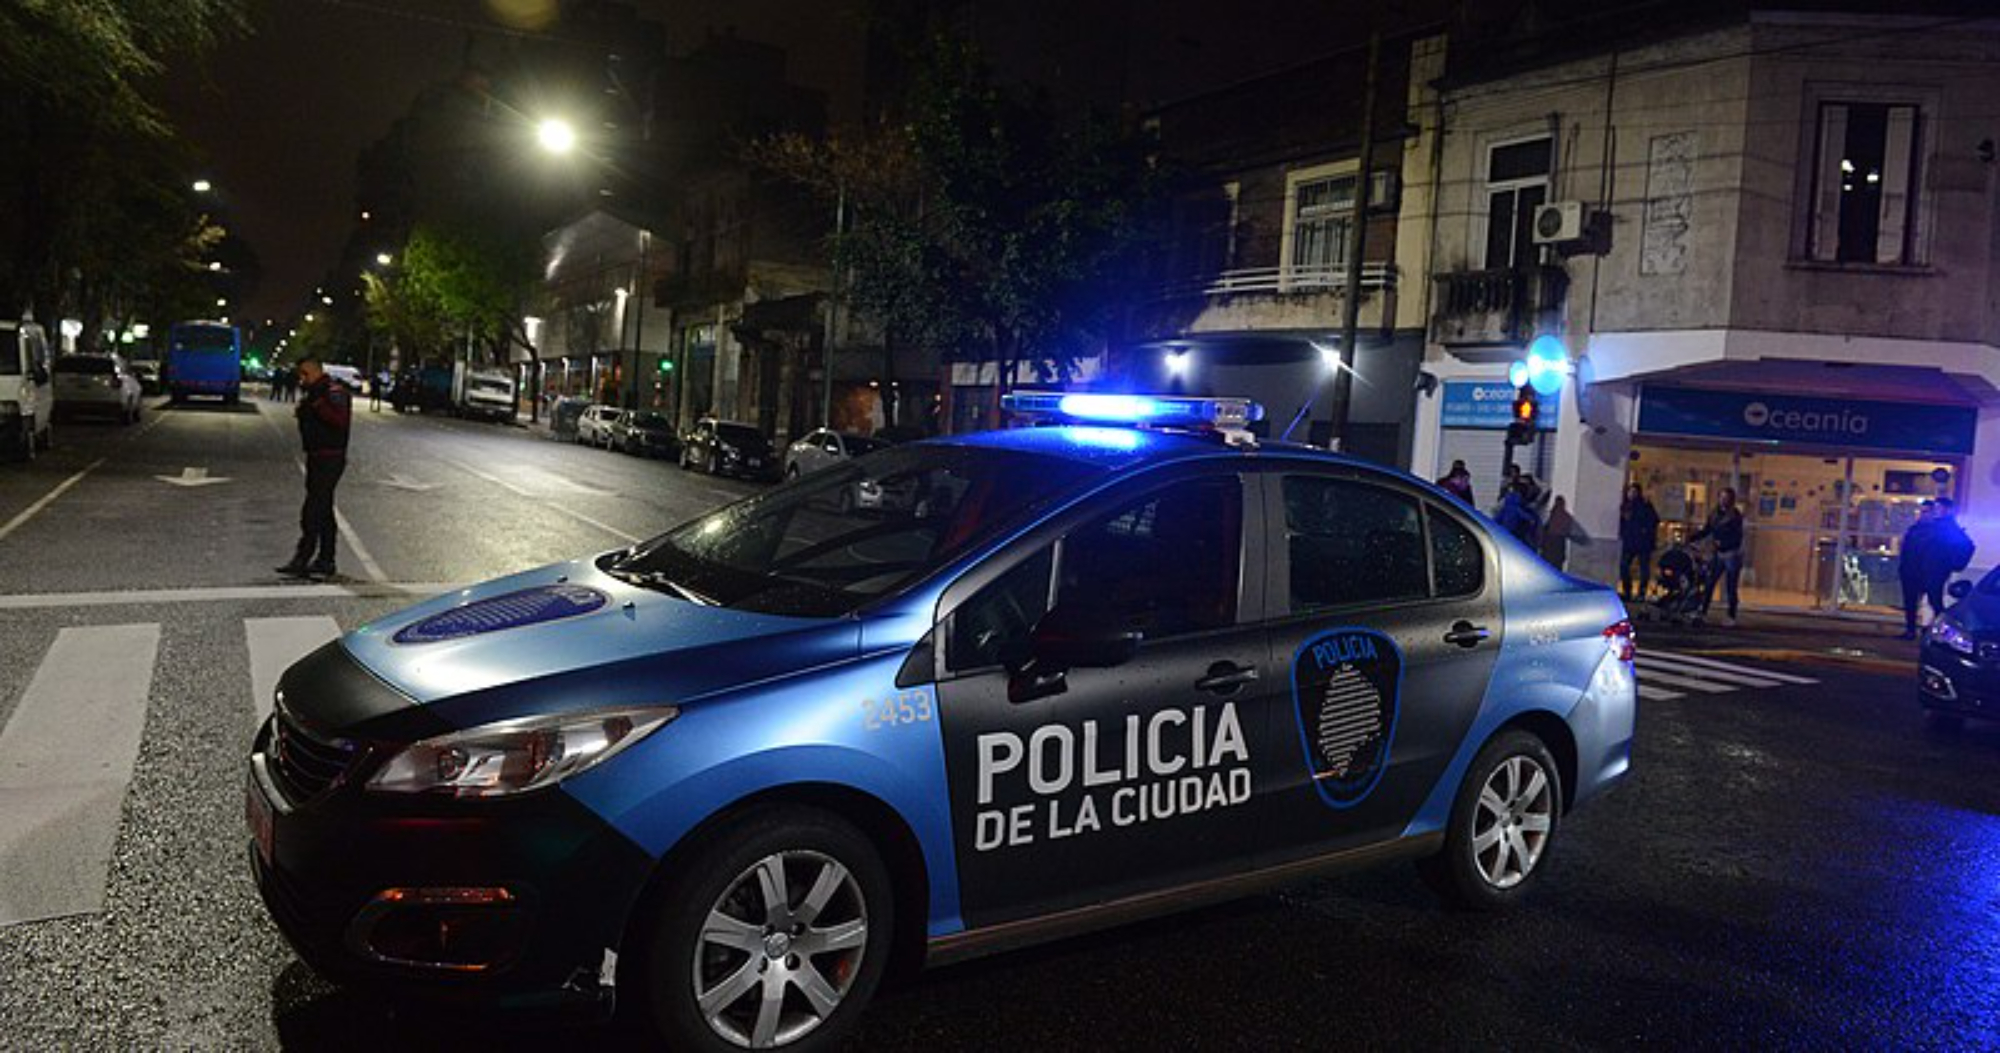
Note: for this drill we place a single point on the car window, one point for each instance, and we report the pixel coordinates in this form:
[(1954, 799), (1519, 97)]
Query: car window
[(1456, 558), (12, 346), (1352, 542), (1166, 564), (992, 627), (85, 365), (740, 435), (829, 443), (856, 446)]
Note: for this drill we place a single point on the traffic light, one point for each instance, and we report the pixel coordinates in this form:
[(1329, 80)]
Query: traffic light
[(1521, 425), (666, 365)]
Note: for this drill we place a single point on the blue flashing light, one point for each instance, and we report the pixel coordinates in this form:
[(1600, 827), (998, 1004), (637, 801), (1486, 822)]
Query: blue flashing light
[(1109, 407), (1156, 410), (1517, 375), (1547, 365)]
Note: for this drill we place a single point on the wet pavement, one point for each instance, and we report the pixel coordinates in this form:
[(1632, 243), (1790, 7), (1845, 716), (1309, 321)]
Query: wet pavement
[(1799, 866)]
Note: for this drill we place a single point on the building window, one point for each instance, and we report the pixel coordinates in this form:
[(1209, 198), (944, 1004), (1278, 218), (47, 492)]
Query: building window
[(1517, 180), (1864, 184), (1322, 228)]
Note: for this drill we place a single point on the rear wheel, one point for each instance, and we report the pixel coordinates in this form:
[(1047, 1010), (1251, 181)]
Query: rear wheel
[(1503, 823), (25, 439), (46, 437), (774, 937)]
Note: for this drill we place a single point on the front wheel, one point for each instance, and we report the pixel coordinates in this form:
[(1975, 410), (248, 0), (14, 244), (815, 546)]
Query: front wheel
[(774, 938), (1503, 823)]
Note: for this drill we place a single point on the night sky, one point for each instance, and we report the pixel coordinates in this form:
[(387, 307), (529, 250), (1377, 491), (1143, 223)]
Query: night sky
[(282, 114)]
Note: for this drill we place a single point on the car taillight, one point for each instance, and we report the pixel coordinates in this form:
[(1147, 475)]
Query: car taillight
[(1622, 640)]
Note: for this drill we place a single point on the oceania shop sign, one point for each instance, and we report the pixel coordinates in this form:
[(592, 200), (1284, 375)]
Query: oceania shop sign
[(1489, 404), (1806, 419)]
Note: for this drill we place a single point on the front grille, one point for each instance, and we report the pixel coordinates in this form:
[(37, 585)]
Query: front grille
[(304, 766)]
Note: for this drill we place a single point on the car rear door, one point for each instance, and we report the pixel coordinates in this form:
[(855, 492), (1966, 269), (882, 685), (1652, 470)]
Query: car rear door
[(1383, 609)]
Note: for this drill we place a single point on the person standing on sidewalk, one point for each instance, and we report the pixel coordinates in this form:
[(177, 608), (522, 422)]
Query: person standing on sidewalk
[(1951, 551), (325, 413), (1910, 565), (1725, 528), (1638, 533), (1458, 482), (1557, 532)]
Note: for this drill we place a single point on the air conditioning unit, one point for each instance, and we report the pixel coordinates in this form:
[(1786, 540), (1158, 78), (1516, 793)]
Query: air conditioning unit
[(1558, 222)]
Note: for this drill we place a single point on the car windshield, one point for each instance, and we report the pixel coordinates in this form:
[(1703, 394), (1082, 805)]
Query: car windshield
[(84, 364), (649, 421), (739, 435), (835, 540)]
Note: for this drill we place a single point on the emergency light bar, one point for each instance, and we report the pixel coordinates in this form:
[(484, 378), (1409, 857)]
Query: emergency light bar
[(1154, 410)]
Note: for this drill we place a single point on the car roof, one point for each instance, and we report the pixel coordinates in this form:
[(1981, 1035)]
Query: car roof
[(1117, 448)]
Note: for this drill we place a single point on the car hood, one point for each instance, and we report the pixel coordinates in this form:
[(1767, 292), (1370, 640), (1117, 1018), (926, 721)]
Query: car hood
[(568, 635), (1978, 613)]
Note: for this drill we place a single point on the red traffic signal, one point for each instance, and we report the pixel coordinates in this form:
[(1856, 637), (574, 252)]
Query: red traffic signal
[(1522, 426)]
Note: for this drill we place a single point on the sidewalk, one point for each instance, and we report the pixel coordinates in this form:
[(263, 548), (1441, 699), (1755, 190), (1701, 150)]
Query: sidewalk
[(1863, 644)]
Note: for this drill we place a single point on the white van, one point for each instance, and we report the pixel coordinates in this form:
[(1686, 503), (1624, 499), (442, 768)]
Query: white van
[(27, 399)]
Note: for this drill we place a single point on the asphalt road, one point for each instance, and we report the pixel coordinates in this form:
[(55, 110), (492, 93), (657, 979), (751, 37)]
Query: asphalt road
[(1795, 863)]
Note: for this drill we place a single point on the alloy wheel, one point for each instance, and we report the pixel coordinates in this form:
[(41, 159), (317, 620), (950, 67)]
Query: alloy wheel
[(780, 949), (1512, 821)]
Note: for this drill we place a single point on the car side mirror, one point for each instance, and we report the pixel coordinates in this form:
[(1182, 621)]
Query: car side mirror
[(1959, 590)]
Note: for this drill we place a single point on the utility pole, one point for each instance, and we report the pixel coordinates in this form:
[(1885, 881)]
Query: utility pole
[(639, 294), (832, 310), (1350, 302)]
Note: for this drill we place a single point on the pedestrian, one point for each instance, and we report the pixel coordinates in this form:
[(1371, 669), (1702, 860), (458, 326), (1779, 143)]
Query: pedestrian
[(1458, 482), (1638, 533), (1948, 551), (325, 414), (1725, 528), (1910, 568), (1557, 532), (1516, 514)]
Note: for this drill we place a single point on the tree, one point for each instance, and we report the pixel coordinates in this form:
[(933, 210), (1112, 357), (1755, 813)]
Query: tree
[(90, 152), (985, 226), (452, 280)]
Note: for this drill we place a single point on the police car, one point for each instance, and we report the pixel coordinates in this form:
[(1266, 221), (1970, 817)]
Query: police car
[(1094, 671)]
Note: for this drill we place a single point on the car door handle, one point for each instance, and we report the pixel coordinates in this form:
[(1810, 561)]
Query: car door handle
[(1466, 634), (1225, 678)]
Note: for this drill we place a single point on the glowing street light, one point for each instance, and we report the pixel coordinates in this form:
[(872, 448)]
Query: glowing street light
[(309, 316), (556, 135), (222, 301), (215, 265), (203, 186), (327, 300), (383, 259)]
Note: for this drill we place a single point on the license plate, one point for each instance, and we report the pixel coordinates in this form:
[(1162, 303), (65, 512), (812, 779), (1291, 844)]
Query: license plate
[(756, 462), (258, 813)]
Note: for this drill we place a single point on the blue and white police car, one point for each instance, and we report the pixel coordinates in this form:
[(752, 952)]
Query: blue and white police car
[(1085, 673)]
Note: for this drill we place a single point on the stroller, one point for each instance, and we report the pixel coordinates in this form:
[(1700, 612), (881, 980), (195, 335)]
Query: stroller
[(1682, 575)]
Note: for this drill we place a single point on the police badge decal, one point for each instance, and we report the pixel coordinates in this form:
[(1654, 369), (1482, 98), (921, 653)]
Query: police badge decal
[(1345, 688)]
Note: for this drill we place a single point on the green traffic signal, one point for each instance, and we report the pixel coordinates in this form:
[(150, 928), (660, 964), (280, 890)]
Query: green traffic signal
[(666, 365)]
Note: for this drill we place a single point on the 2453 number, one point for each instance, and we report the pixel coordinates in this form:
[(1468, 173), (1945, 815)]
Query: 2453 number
[(906, 707)]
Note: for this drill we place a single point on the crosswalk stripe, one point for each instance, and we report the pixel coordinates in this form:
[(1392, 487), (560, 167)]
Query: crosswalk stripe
[(1657, 694), (1672, 680), (1652, 665), (1710, 663), (275, 643), (66, 756)]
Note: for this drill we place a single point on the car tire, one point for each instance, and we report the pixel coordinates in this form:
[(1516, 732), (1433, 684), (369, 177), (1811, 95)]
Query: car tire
[(47, 436), (713, 465), (1493, 852), (715, 932), (25, 448), (791, 472)]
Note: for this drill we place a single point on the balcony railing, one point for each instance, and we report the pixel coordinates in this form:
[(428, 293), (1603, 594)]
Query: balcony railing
[(1279, 281), (1500, 306)]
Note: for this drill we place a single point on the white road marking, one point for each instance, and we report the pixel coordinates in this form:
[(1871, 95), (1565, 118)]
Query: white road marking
[(1655, 664), (347, 534), (1657, 694), (192, 478), (66, 756), (275, 643), (397, 481), (1710, 663), (550, 505), (61, 488), (1655, 676), (137, 597), (565, 483)]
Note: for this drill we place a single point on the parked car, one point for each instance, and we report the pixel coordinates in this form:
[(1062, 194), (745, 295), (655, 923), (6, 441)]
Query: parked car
[(727, 447), (27, 396), (733, 776), (824, 446), (96, 384), (564, 415), (594, 426), (349, 376), (148, 372), (646, 433)]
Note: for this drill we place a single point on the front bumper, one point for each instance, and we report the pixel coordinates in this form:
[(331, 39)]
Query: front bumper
[(1954, 682), (518, 902)]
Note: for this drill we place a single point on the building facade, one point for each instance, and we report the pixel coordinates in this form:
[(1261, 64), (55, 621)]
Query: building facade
[(1769, 245)]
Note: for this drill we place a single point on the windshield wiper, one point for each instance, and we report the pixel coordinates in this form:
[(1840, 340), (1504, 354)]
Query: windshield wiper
[(656, 580)]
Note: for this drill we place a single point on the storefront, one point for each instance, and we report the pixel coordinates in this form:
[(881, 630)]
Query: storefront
[(1827, 485), (1473, 429)]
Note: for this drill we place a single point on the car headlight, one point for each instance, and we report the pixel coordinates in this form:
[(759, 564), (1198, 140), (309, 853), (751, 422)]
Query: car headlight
[(1950, 634), (516, 756)]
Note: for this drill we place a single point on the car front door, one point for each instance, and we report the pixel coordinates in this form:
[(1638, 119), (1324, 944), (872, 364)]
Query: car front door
[(1077, 786), (1385, 623)]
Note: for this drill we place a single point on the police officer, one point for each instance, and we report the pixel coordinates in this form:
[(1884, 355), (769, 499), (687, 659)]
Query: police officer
[(325, 413)]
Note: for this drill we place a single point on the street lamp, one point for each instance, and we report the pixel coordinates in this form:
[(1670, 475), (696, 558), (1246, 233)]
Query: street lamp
[(222, 301), (215, 265), (556, 135), (383, 259), (203, 186)]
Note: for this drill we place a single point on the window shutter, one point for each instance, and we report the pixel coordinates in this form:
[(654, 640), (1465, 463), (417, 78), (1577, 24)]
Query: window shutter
[(1897, 167), (1826, 183)]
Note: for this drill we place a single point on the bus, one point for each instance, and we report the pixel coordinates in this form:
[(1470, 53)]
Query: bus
[(204, 358)]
